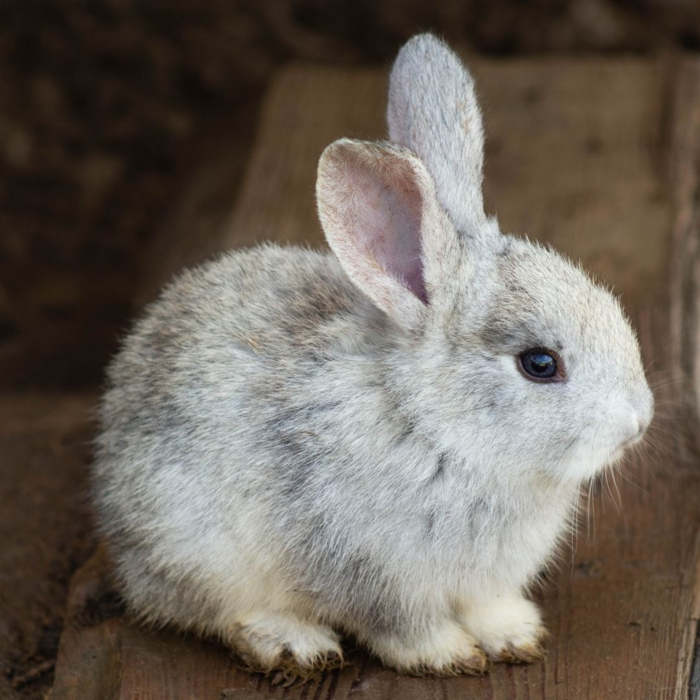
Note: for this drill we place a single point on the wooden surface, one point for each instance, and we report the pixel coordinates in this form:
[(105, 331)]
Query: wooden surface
[(684, 314), (44, 446), (578, 154), (684, 176)]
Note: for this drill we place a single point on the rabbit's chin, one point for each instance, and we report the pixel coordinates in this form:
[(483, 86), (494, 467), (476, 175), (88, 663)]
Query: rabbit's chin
[(623, 449), (585, 469)]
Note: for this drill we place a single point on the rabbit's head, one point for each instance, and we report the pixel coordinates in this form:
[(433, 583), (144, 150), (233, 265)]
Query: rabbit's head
[(512, 355)]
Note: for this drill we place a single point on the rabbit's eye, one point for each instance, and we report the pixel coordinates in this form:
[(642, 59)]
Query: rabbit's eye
[(541, 365)]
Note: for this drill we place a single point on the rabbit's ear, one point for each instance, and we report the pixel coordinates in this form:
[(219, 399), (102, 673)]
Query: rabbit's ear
[(381, 218), (433, 110)]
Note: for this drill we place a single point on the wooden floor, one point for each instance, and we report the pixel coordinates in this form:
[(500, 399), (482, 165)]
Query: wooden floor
[(600, 158)]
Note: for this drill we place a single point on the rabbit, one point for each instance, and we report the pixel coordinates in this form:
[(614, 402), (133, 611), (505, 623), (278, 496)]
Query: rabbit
[(386, 440)]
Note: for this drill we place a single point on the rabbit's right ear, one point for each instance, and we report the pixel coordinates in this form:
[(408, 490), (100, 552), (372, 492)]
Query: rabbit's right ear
[(433, 110), (381, 218)]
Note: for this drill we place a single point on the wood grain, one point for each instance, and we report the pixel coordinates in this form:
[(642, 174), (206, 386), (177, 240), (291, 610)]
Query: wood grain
[(45, 527), (575, 157), (684, 315), (684, 166)]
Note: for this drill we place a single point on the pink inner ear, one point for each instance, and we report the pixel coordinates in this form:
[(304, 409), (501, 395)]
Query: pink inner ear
[(390, 230)]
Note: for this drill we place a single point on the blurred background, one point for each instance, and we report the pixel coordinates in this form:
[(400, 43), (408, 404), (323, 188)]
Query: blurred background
[(108, 107), (114, 115)]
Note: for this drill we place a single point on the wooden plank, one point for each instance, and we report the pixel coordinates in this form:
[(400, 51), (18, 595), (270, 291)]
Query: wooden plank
[(685, 276), (44, 528), (684, 314), (574, 157)]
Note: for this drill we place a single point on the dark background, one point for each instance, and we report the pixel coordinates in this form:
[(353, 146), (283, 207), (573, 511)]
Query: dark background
[(108, 107), (110, 112)]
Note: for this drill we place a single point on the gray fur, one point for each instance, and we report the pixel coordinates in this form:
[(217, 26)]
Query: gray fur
[(294, 434)]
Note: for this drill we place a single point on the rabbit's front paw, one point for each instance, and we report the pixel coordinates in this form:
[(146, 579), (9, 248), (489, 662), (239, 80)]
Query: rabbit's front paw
[(508, 628), (445, 650), (286, 647)]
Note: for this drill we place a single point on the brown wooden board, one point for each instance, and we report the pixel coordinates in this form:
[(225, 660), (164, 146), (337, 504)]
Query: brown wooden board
[(684, 162), (45, 529), (577, 155)]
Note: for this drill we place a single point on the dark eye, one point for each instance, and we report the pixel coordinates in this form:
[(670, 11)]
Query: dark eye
[(541, 365)]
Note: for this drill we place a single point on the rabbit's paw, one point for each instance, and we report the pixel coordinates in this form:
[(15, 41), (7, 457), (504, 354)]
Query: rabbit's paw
[(508, 628), (445, 650), (285, 647)]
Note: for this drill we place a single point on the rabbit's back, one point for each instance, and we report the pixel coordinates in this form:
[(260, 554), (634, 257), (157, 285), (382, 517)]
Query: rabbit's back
[(185, 474), (216, 333)]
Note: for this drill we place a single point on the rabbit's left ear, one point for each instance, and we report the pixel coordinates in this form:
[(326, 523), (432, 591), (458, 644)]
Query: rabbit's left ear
[(433, 110), (381, 218)]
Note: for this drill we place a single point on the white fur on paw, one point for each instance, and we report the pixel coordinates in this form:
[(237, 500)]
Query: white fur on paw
[(271, 640), (508, 628), (443, 651)]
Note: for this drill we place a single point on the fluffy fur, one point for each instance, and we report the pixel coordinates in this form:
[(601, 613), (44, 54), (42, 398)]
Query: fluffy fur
[(297, 443)]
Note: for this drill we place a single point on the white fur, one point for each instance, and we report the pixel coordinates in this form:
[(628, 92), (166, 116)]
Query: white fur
[(503, 622), (444, 649), (267, 637), (433, 111)]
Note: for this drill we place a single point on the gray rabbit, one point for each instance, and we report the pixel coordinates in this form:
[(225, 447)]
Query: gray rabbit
[(386, 440)]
